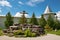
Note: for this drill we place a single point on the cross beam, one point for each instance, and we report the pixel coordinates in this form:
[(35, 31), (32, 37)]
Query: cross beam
[(24, 13)]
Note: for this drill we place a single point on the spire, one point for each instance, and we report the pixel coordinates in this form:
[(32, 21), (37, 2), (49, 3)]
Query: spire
[(47, 10)]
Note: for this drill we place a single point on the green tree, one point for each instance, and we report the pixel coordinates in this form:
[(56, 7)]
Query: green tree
[(23, 18), (33, 20), (50, 21), (56, 24), (9, 20), (42, 21)]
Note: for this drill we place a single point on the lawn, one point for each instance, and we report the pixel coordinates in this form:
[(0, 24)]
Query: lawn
[(54, 32)]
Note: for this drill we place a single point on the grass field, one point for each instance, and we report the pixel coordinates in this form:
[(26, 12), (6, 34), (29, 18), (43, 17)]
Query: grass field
[(54, 32)]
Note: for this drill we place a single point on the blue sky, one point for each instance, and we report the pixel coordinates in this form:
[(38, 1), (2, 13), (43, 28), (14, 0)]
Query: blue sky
[(30, 6)]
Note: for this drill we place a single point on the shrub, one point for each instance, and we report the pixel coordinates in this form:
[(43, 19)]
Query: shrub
[(28, 33), (33, 34), (10, 34), (1, 32), (47, 28), (18, 32)]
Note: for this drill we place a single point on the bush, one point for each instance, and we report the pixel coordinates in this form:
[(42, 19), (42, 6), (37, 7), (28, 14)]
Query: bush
[(18, 32), (28, 33), (47, 28), (33, 34), (1, 32), (10, 34)]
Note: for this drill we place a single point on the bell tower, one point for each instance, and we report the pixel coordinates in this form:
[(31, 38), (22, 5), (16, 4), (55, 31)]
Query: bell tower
[(47, 12)]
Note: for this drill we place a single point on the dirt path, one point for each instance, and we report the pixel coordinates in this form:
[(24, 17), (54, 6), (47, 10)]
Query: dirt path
[(47, 37)]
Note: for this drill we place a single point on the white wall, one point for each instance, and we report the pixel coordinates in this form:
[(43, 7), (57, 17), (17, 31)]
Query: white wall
[(2, 20)]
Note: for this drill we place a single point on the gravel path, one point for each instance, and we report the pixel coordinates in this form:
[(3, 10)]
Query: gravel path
[(47, 37)]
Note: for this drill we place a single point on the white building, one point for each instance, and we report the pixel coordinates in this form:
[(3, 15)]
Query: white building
[(47, 12)]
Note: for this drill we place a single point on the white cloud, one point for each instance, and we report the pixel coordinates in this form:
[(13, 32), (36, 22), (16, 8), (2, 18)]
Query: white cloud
[(2, 15), (38, 16), (18, 14), (34, 2), (21, 3), (5, 3), (37, 0), (30, 4)]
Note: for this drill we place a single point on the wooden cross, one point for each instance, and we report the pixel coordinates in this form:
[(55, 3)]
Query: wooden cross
[(24, 13), (23, 17)]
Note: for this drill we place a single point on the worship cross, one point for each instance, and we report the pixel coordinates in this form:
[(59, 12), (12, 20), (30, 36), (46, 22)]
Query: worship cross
[(24, 13), (23, 17)]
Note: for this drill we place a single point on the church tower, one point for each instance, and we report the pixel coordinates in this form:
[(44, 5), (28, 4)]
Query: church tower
[(47, 12)]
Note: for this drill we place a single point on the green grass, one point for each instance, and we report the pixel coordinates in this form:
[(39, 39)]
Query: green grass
[(54, 32)]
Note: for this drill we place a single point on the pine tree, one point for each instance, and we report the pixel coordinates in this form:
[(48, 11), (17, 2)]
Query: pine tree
[(33, 20), (23, 19), (42, 21), (9, 20)]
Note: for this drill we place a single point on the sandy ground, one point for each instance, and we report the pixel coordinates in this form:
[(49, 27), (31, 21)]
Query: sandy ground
[(46, 37)]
